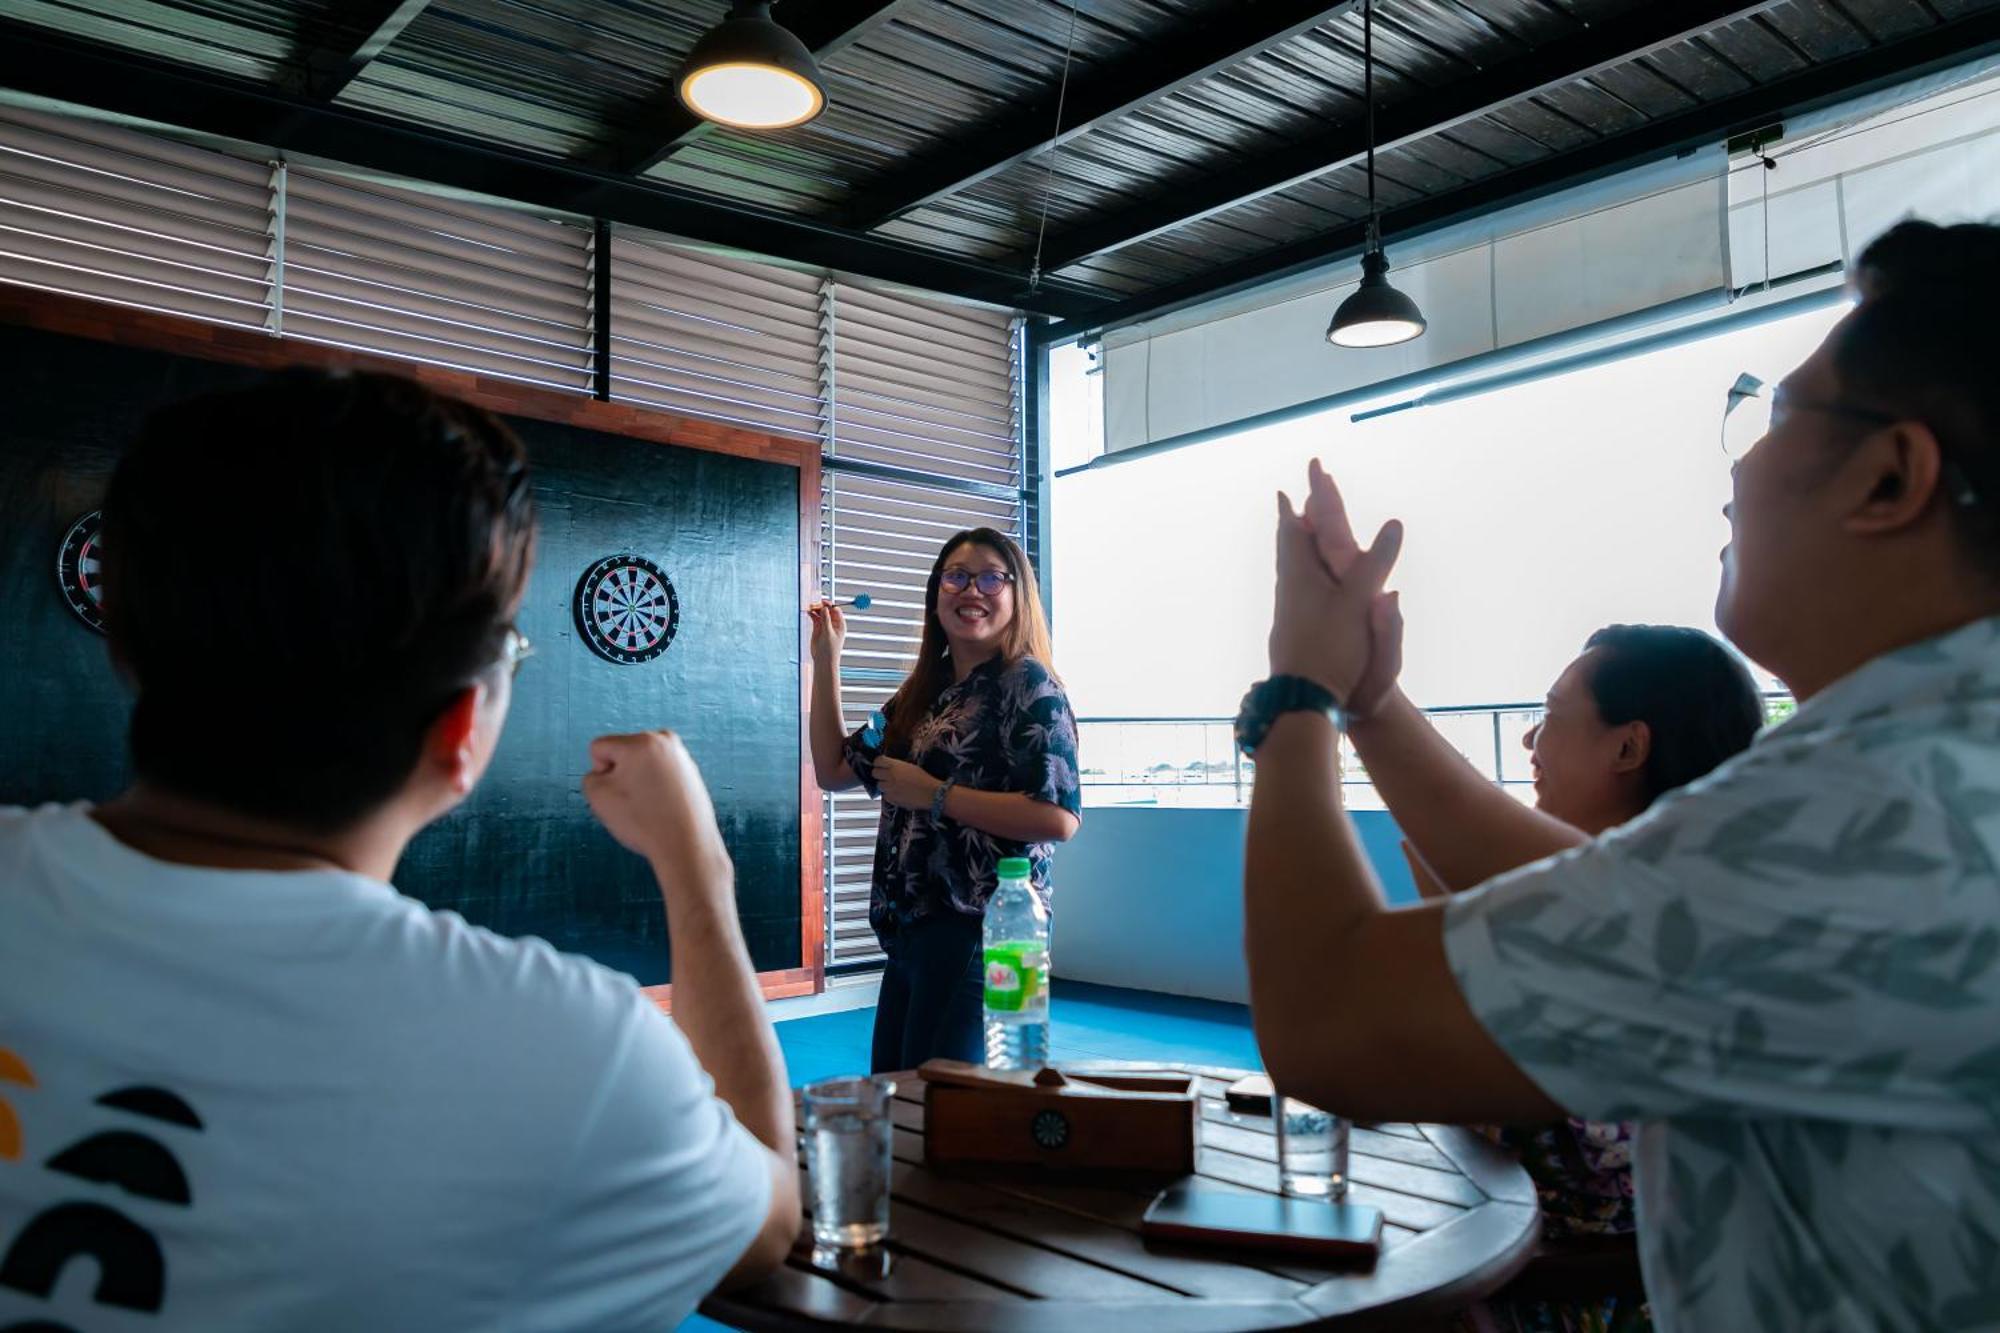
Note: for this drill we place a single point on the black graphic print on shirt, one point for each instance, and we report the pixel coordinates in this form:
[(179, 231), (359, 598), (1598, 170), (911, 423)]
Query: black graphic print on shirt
[(131, 1267)]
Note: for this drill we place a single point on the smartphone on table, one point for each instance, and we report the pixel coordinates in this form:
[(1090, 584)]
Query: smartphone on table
[(1213, 1215)]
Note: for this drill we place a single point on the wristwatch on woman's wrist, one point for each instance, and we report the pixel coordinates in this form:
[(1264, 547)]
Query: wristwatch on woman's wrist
[(1268, 700), (938, 797)]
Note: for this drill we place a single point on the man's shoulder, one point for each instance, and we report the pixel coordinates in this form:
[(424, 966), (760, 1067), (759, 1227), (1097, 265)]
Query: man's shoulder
[(440, 951)]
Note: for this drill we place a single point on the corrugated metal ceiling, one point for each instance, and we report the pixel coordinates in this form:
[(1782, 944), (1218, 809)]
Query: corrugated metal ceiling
[(1204, 137)]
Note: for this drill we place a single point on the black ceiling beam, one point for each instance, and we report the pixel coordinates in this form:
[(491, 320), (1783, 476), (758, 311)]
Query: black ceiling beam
[(46, 64), (825, 26), (1931, 51), (328, 72), (1647, 29), (1154, 69)]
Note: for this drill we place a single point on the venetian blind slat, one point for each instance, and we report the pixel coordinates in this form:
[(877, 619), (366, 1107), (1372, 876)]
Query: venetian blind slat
[(472, 286), (716, 337), (100, 211)]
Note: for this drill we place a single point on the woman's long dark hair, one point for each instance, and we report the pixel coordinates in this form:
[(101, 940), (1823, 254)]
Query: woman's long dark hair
[(1695, 696), (1026, 635)]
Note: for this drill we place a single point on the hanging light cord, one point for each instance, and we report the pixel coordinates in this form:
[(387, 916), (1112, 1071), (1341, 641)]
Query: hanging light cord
[(1770, 165), (1368, 95), (1055, 149)]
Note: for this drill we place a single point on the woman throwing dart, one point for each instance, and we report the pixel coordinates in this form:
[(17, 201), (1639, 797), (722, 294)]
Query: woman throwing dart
[(974, 758)]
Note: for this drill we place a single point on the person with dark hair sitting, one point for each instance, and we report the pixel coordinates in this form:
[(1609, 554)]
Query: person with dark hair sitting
[(1644, 710), (296, 1099), (1787, 971)]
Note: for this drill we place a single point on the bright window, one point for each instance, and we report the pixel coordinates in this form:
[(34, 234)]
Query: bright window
[(1535, 514)]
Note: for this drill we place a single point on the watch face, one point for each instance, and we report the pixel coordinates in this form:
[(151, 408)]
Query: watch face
[(626, 609), (79, 567)]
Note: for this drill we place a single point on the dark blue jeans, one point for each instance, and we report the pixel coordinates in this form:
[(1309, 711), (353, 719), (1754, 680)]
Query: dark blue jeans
[(933, 995)]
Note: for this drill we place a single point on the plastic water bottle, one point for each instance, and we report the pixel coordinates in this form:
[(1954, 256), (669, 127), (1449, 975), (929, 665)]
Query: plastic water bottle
[(1017, 972)]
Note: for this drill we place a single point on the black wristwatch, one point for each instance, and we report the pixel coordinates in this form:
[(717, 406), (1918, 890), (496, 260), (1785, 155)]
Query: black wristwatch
[(1268, 700)]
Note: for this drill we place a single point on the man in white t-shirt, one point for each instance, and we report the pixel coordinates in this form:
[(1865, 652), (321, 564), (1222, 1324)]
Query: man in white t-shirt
[(244, 1084), (1789, 970)]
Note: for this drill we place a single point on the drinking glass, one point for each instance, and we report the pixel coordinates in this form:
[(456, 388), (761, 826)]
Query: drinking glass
[(1312, 1151), (848, 1133)]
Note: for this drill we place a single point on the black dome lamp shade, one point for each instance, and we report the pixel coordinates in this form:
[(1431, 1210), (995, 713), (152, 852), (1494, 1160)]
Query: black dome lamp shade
[(1376, 315), (751, 74)]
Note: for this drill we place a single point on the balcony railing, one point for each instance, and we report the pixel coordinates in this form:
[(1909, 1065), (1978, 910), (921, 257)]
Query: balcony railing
[(1194, 762)]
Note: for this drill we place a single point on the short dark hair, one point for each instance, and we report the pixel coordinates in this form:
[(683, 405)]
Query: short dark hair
[(1696, 698), (299, 577), (1924, 342)]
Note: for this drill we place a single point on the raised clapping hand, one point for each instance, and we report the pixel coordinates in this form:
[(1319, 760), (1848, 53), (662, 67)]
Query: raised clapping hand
[(903, 784), (1333, 535), (829, 633), (647, 792), (1330, 603)]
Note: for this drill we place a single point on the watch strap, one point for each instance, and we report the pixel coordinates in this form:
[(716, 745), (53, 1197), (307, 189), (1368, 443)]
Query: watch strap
[(1269, 700)]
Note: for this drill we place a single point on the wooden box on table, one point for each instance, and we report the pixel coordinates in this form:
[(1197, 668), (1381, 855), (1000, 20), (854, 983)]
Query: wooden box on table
[(1076, 1120)]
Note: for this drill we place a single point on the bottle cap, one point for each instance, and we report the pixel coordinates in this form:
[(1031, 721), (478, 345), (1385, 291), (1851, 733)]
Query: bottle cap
[(1015, 867)]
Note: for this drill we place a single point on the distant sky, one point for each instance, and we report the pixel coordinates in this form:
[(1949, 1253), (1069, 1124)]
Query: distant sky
[(1535, 515)]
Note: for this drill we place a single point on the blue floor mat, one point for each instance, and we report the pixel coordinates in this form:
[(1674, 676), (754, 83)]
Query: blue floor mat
[(1086, 1023)]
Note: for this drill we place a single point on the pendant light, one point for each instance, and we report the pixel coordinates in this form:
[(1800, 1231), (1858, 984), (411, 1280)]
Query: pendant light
[(751, 74), (1376, 315)]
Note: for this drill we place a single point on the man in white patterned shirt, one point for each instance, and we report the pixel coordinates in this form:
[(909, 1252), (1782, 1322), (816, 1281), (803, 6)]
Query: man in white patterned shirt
[(1787, 969)]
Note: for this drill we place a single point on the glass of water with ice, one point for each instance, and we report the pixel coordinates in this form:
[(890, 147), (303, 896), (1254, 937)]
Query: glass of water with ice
[(1312, 1151), (848, 1132)]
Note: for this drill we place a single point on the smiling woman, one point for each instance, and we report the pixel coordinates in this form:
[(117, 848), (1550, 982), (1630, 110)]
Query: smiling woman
[(975, 762)]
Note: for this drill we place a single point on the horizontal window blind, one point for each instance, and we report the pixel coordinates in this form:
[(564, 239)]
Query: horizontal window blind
[(714, 337), (457, 284), (114, 214), (925, 385)]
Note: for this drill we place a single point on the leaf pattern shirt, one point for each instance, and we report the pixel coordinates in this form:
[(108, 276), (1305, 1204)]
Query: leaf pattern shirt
[(1787, 971), (1007, 727)]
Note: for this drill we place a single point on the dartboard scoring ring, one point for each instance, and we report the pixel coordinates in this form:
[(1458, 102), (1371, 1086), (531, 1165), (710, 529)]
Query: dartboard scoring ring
[(627, 609), (79, 569)]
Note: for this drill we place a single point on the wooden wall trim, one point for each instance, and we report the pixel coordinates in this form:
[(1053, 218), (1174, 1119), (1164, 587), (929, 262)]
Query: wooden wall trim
[(812, 806), (785, 985), (130, 327)]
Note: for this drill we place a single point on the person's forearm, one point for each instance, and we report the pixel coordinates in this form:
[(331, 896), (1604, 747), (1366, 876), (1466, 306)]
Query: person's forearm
[(1308, 888), (1015, 816), (828, 729), (1464, 827), (717, 1003)]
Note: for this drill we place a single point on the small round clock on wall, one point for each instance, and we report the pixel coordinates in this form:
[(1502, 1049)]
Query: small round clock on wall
[(626, 609), (79, 569)]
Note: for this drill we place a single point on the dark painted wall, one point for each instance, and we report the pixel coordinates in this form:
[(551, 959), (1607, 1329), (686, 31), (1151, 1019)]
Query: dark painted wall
[(523, 856)]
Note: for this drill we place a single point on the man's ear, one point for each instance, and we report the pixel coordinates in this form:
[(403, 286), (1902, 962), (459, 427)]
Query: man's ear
[(449, 743), (1897, 472), (1635, 747)]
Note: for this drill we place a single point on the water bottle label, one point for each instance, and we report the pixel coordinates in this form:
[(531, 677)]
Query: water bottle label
[(1012, 982)]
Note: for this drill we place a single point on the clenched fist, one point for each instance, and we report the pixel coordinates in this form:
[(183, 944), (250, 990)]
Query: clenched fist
[(646, 791)]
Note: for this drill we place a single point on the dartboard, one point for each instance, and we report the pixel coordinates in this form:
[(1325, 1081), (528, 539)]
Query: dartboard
[(626, 609), (79, 569)]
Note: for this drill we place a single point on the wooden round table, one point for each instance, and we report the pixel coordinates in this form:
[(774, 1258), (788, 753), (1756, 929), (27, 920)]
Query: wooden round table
[(987, 1254)]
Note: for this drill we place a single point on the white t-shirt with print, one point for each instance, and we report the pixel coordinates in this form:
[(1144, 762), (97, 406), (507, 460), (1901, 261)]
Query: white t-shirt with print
[(1791, 971), (257, 1100)]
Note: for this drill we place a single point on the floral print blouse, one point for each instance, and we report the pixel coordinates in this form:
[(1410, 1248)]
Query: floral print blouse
[(1582, 1171), (1007, 727)]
